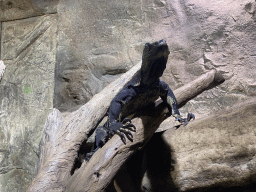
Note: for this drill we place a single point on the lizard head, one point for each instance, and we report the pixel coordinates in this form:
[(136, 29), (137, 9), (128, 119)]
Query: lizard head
[(154, 61)]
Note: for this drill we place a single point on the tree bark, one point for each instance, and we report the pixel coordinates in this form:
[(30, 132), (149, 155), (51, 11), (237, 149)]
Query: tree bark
[(2, 68), (63, 136), (102, 167)]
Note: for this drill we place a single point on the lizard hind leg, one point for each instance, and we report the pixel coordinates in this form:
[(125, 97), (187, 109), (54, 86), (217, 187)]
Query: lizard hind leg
[(101, 137)]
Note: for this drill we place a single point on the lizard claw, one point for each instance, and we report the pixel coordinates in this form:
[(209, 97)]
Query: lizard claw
[(190, 116), (185, 120), (126, 120), (120, 128), (127, 133), (128, 125), (122, 136)]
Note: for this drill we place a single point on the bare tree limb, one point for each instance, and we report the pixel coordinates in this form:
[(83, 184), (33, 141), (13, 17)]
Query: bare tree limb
[(2, 68), (62, 136), (194, 88), (101, 169)]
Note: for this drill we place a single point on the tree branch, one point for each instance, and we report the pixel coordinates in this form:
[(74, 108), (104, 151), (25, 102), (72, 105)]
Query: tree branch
[(104, 164), (63, 136), (2, 68)]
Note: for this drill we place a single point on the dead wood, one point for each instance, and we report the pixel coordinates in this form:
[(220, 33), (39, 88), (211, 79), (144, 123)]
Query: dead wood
[(101, 169), (194, 88), (62, 136), (2, 68)]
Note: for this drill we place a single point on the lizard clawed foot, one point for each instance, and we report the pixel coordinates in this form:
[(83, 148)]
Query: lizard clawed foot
[(127, 123), (120, 128), (190, 116), (185, 120)]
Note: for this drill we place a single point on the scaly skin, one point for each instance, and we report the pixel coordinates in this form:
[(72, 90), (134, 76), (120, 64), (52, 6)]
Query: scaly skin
[(143, 90)]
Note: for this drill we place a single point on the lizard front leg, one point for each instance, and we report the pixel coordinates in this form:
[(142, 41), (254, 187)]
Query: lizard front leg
[(122, 128), (185, 120), (172, 104), (113, 125), (117, 125), (104, 133)]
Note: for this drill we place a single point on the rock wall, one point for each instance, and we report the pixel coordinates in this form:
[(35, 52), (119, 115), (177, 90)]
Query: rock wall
[(60, 53), (98, 41), (28, 49), (213, 153)]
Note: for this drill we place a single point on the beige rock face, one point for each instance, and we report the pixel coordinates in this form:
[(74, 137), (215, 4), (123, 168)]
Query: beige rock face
[(28, 46), (224, 32), (93, 49), (96, 42), (28, 49), (215, 152), (20, 9)]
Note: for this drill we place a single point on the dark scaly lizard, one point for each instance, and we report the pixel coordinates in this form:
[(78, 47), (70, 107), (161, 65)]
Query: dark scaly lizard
[(142, 90)]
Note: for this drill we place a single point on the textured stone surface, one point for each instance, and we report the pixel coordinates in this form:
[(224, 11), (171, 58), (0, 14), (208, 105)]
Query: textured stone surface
[(220, 35), (0, 35), (97, 43), (26, 96), (217, 151), (20, 9)]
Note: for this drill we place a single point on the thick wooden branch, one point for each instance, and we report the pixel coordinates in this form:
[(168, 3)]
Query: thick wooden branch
[(2, 68), (194, 88), (101, 169), (62, 136)]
